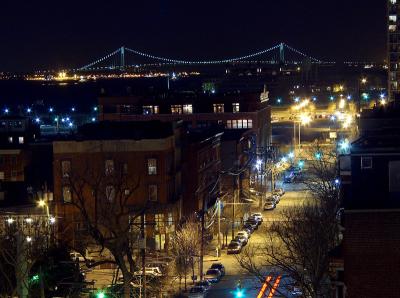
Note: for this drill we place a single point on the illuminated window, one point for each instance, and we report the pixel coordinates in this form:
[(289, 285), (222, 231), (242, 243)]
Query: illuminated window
[(249, 123), (109, 166), (228, 123), (244, 123), (65, 168), (234, 124), (240, 124), (150, 110), (392, 28), (10, 139), (152, 166), (153, 195), (393, 1), (176, 109), (393, 18), (218, 107), (66, 194), (21, 140), (187, 109), (236, 107)]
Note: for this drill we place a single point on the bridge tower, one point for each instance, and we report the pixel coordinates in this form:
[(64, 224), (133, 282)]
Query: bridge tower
[(122, 53), (282, 53)]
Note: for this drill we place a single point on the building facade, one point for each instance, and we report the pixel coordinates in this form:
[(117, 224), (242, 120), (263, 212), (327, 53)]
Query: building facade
[(370, 177), (135, 164), (196, 110), (393, 48)]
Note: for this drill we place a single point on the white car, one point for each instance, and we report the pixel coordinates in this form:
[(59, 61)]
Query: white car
[(244, 233), (151, 271), (258, 216)]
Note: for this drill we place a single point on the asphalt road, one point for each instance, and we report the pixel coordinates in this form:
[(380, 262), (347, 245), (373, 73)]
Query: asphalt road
[(295, 195)]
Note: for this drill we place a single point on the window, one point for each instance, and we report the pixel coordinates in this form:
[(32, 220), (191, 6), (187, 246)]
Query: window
[(127, 109), (65, 168), (21, 140), (149, 110), (10, 139), (125, 168), (153, 193), (66, 194), (109, 166), (110, 193), (236, 107), (393, 18), (392, 28), (152, 166), (366, 162), (187, 109), (229, 124), (249, 123), (176, 109), (394, 176), (218, 107)]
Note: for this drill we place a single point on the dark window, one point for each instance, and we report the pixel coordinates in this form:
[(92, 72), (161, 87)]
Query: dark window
[(65, 168), (153, 195), (366, 162)]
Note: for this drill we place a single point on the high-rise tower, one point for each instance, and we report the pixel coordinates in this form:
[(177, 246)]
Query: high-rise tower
[(393, 49)]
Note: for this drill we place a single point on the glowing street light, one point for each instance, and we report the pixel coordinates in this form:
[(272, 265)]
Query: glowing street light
[(28, 239), (364, 80), (10, 220), (305, 119), (6, 110), (37, 120), (283, 159), (28, 110), (344, 145), (51, 110), (291, 155)]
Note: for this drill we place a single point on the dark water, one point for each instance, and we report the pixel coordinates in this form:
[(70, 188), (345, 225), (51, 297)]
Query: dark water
[(18, 95)]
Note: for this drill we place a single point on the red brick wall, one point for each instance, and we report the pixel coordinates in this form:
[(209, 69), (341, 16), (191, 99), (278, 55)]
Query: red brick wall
[(372, 254)]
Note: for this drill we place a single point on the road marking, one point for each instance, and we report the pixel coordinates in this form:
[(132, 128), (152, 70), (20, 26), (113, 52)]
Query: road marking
[(274, 287), (264, 287)]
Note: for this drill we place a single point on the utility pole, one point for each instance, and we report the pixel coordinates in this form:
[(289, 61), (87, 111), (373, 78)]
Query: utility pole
[(235, 191), (203, 211), (219, 227), (143, 248)]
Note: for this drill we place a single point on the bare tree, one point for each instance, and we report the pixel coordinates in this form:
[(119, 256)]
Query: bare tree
[(300, 243), (186, 246), (24, 239), (103, 201)]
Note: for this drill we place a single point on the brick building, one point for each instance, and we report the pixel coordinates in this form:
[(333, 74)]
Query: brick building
[(138, 160), (232, 110), (371, 191)]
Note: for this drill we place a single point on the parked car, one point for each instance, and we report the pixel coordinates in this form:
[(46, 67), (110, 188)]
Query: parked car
[(249, 227), (150, 271), (213, 275), (269, 205), (273, 198), (204, 283), (258, 215), (218, 266), (253, 222), (241, 239), (197, 291), (234, 248), (255, 219), (246, 233), (278, 191), (289, 178)]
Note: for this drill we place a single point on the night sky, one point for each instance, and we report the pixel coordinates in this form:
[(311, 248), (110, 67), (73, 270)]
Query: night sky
[(45, 35)]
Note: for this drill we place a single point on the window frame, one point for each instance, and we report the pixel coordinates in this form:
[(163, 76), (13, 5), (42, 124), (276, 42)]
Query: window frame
[(150, 192), (363, 160), (152, 170)]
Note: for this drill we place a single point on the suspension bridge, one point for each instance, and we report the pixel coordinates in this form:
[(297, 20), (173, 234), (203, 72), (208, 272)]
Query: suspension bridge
[(125, 58)]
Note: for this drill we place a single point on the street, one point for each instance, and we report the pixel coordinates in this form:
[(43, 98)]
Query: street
[(295, 195)]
